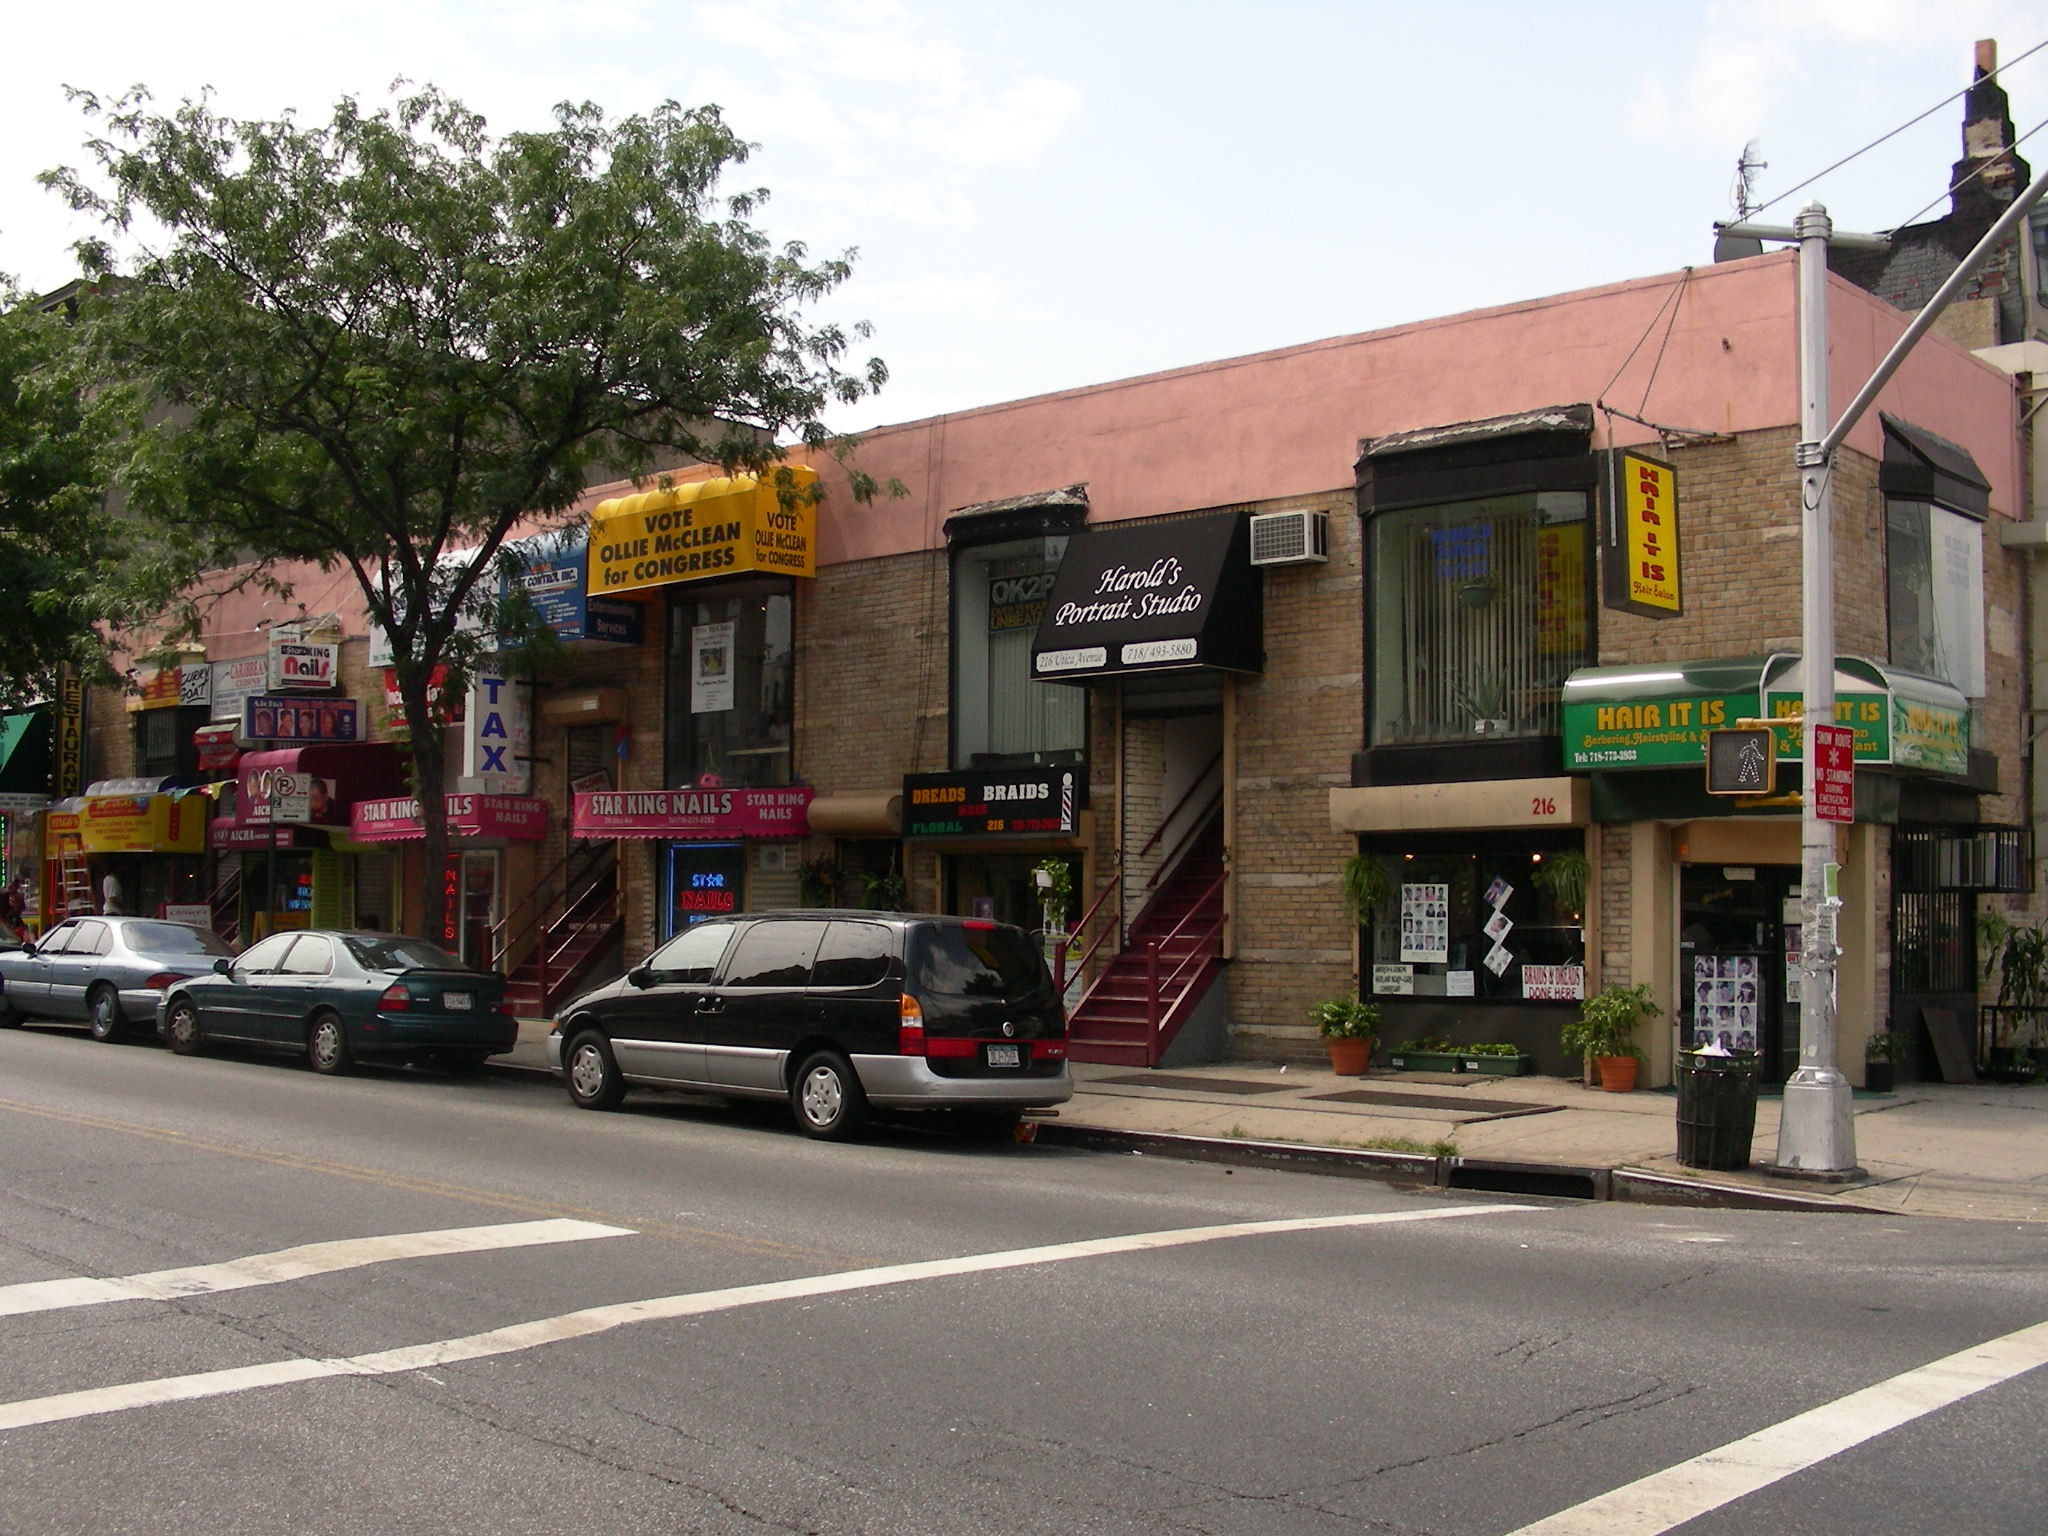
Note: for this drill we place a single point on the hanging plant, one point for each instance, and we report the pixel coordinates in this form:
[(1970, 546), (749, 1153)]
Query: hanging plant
[(1366, 887), (1054, 879), (1564, 877), (884, 891)]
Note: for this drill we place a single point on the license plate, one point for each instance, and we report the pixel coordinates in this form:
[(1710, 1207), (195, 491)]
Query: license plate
[(1005, 1056), (458, 1002)]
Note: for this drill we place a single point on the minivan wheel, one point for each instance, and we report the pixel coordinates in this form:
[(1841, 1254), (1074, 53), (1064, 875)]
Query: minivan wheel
[(327, 1045), (181, 1028), (591, 1073), (827, 1097), (105, 1009)]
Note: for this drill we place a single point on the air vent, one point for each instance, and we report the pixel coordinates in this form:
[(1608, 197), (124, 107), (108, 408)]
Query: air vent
[(1291, 538)]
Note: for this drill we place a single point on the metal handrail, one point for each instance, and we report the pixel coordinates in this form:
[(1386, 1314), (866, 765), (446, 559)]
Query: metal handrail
[(504, 941), (1195, 828), (1154, 987), (1185, 795)]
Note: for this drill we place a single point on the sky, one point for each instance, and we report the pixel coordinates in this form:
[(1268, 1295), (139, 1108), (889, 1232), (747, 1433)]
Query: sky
[(1046, 195)]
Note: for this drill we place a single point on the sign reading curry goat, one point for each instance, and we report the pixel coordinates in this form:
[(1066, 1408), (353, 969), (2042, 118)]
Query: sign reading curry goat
[(710, 528), (1153, 596)]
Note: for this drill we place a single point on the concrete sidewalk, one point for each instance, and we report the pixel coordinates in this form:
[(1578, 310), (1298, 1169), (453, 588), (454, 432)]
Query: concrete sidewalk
[(1930, 1149)]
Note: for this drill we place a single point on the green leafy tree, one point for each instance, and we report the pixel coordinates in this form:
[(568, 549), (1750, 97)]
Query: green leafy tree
[(394, 335), (67, 568)]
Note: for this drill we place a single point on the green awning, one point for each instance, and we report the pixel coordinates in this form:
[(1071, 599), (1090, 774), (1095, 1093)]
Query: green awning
[(25, 752), (1657, 715)]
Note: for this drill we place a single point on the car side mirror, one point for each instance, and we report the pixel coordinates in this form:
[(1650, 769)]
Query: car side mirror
[(641, 975), (224, 965)]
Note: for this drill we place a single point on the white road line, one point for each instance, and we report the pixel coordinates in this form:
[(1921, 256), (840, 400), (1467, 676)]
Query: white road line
[(1685, 1492), (573, 1325), (292, 1264)]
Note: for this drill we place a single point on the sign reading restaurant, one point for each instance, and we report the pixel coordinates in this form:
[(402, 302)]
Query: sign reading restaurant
[(1032, 802), (709, 528)]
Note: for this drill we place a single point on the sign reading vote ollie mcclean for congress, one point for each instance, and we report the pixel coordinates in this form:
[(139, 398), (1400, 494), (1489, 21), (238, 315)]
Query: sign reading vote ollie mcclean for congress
[(710, 528)]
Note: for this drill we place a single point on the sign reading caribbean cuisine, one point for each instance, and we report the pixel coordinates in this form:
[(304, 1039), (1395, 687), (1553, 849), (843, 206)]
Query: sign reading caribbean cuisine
[(710, 528), (1659, 717)]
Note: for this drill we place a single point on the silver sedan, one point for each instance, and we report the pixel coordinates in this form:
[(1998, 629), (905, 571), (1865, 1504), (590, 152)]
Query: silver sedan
[(106, 972)]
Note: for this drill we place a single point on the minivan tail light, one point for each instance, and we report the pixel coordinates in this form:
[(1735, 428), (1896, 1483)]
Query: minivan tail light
[(395, 999), (909, 1027)]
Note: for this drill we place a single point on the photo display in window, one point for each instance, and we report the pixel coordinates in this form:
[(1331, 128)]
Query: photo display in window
[(1462, 920)]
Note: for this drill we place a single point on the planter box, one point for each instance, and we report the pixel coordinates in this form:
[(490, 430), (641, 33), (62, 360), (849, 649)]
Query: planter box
[(1516, 1065), (1424, 1061)]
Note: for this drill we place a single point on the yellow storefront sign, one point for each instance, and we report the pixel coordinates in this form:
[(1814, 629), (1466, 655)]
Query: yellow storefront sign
[(143, 824), (723, 527)]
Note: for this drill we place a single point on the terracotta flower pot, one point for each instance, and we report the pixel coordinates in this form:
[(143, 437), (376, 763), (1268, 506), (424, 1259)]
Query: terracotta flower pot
[(1350, 1057), (1617, 1073)]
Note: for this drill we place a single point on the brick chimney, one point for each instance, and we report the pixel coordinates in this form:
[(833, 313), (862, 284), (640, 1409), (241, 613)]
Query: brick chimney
[(1989, 175)]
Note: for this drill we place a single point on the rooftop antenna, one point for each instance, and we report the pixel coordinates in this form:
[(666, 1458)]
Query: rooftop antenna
[(1735, 247)]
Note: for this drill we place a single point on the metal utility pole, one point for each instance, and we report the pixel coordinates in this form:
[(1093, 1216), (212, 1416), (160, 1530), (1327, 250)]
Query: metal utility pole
[(1816, 1129)]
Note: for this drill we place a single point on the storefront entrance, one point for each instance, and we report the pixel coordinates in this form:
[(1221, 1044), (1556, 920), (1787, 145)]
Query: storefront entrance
[(1738, 958)]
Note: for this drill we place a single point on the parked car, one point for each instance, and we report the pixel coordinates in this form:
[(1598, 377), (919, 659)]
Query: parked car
[(836, 1012), (106, 972), (343, 996)]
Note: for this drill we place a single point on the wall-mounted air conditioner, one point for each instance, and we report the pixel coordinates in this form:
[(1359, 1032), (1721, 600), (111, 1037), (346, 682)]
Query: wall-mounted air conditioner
[(1290, 538)]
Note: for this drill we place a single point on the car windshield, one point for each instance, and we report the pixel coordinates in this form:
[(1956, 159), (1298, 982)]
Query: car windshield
[(976, 960), (173, 939), (396, 952)]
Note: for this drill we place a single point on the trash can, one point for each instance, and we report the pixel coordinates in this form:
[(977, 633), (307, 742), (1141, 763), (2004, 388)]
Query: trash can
[(1716, 1109)]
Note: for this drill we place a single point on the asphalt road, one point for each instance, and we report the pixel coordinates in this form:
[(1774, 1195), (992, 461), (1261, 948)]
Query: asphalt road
[(686, 1318)]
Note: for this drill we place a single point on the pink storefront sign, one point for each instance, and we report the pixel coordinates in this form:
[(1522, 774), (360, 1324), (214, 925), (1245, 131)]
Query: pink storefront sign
[(520, 818), (692, 813)]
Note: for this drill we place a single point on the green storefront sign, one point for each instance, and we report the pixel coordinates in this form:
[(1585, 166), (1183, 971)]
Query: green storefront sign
[(1658, 717)]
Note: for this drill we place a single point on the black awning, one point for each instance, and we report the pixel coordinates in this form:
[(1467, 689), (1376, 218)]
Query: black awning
[(1153, 597), (1919, 465)]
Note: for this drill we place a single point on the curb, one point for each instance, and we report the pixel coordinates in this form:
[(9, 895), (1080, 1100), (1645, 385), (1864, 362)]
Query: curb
[(1551, 1180), (1558, 1181)]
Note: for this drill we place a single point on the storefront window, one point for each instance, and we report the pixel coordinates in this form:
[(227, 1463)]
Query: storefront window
[(1002, 714), (164, 745), (1477, 915), (1934, 580), (1478, 612), (731, 674)]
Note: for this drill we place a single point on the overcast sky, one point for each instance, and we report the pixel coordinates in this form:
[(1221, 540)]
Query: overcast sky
[(1049, 194)]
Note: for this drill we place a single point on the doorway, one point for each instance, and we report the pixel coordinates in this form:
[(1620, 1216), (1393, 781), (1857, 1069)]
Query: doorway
[(479, 908), (1738, 961)]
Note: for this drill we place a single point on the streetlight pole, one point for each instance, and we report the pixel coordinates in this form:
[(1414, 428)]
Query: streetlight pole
[(1816, 1130)]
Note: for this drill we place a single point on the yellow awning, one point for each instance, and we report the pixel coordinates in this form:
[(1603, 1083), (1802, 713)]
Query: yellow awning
[(719, 527)]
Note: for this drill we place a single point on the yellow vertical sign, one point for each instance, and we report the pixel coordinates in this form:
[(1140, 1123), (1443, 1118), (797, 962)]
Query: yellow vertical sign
[(1649, 512)]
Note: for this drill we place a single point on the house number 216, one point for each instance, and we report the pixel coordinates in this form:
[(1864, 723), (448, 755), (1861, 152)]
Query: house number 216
[(1542, 805)]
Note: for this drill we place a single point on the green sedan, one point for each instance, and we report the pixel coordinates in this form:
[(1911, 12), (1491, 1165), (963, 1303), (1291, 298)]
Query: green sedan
[(341, 997)]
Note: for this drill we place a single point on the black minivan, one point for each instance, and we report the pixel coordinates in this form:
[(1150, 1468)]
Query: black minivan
[(835, 1011)]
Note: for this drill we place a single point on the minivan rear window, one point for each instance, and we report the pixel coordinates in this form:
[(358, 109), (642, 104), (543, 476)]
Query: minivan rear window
[(976, 960)]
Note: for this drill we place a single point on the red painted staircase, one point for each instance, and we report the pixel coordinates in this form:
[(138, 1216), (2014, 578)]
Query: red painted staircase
[(570, 942), (1172, 954)]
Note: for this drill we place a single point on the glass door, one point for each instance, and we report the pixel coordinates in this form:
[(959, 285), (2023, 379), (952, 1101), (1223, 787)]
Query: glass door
[(1736, 955), (479, 902)]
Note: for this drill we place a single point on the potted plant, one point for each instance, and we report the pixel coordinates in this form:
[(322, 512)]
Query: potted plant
[(1606, 1031), (1351, 1028), (1426, 1053), (1881, 1054), (1486, 701)]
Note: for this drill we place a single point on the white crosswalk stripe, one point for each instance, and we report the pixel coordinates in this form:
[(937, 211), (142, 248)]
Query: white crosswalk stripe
[(593, 1320), (293, 1264)]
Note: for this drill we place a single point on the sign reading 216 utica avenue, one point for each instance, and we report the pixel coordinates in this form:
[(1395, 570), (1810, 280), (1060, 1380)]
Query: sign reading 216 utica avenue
[(1152, 596)]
